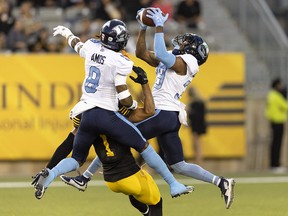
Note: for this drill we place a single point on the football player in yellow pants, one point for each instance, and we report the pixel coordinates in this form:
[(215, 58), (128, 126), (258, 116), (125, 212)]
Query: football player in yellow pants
[(123, 175), (141, 185), (143, 189)]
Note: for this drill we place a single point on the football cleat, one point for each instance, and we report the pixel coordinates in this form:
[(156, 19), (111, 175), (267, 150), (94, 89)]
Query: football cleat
[(40, 190), (36, 178), (78, 182), (227, 191), (178, 189)]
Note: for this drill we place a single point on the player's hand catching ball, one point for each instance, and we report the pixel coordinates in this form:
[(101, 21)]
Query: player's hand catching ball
[(141, 76), (139, 13), (156, 15)]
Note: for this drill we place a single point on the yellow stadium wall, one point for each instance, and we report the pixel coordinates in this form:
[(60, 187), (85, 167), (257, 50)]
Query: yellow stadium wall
[(38, 91)]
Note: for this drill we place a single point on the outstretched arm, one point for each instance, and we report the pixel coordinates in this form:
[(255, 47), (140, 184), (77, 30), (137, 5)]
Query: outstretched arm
[(141, 49), (148, 110), (170, 60), (73, 41)]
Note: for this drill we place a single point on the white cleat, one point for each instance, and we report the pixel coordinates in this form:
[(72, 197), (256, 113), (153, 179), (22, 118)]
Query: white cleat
[(227, 191)]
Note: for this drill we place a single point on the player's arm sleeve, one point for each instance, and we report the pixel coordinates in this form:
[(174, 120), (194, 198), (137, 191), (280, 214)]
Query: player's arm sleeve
[(161, 52), (123, 68), (120, 79), (84, 48)]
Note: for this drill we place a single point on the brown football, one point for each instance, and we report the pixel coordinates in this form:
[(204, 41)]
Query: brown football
[(146, 20)]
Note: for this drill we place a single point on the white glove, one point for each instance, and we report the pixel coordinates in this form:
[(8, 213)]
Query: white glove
[(142, 26), (62, 30), (156, 15)]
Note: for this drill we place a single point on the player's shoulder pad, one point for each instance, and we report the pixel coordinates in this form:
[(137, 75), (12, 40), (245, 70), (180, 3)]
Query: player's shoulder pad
[(125, 57), (94, 40), (124, 54), (189, 59), (192, 64)]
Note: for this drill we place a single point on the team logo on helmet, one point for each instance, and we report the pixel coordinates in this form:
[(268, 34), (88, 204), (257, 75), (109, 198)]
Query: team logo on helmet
[(203, 50), (119, 29), (114, 35)]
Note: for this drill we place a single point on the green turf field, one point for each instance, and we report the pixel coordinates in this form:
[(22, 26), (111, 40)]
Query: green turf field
[(253, 197)]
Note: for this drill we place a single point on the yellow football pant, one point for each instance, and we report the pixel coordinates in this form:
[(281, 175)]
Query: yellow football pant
[(141, 185)]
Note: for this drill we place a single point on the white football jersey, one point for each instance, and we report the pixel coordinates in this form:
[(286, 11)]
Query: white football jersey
[(101, 66), (169, 86)]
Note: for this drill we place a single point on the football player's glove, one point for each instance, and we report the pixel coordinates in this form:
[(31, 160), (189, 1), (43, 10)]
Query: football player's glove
[(157, 16), (142, 26), (62, 30), (141, 76)]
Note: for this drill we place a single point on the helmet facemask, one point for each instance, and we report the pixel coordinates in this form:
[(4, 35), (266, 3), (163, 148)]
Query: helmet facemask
[(191, 44)]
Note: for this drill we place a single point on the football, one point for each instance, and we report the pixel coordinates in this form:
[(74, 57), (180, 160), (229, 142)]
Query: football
[(146, 20)]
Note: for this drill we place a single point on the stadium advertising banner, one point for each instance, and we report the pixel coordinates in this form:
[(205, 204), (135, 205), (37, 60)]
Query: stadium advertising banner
[(37, 93)]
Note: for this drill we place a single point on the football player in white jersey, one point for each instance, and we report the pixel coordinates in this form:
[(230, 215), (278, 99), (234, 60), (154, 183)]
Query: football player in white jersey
[(104, 85), (174, 72), (120, 170)]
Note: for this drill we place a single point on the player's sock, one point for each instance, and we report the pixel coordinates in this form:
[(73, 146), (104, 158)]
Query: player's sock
[(143, 208), (46, 181), (156, 210), (64, 166), (93, 167), (154, 161), (62, 151), (196, 172)]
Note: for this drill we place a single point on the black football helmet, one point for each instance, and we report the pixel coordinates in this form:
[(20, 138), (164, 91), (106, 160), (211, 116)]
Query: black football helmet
[(114, 35), (191, 44)]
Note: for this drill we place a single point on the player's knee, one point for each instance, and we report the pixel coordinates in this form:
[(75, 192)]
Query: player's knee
[(178, 167)]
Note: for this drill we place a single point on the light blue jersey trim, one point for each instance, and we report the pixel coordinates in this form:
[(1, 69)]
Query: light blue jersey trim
[(161, 52), (93, 40), (130, 123), (157, 111)]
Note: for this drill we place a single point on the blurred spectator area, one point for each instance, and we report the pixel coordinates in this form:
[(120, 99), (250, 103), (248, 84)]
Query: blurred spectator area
[(280, 10), (27, 25)]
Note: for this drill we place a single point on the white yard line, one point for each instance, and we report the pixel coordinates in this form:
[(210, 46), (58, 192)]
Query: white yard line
[(240, 180)]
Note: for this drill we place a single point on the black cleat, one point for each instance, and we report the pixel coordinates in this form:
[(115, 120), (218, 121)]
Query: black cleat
[(77, 182), (40, 190), (44, 173)]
